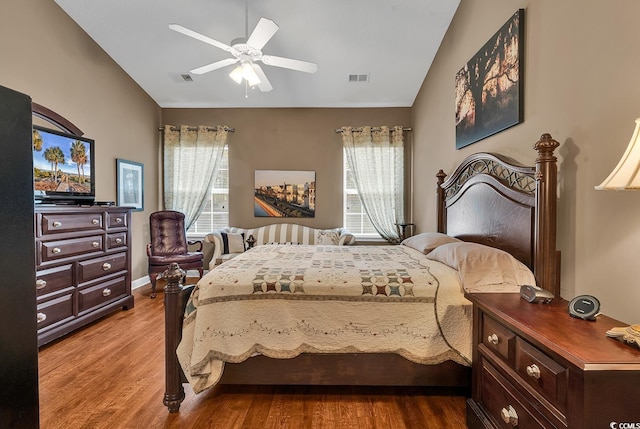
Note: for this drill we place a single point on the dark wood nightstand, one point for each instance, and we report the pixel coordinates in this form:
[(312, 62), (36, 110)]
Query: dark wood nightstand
[(536, 366)]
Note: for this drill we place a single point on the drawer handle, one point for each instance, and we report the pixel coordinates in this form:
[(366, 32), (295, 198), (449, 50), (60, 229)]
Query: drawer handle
[(106, 266), (41, 317), (118, 220), (57, 224), (118, 240), (56, 250), (41, 284), (493, 339), (95, 244), (106, 292), (533, 371), (95, 221), (509, 416)]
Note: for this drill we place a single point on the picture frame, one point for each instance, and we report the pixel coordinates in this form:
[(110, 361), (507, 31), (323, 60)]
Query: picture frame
[(130, 184), (284, 193), (489, 89)]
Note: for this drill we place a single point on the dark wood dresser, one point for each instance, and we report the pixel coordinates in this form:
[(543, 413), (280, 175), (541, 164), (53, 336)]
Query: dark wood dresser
[(534, 366), (83, 266)]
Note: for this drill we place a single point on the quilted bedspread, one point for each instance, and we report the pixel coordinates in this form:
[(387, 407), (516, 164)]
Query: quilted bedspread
[(283, 300)]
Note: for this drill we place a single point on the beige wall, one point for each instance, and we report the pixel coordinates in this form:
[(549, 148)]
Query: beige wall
[(45, 55), (286, 139), (581, 73)]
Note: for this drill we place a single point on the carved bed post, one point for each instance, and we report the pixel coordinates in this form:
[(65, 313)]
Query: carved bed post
[(442, 221), (545, 266), (173, 313)]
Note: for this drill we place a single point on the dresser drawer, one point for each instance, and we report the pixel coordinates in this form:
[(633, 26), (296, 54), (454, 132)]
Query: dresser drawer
[(504, 404), (54, 250), (54, 279), (115, 240), (55, 223), (498, 338), (55, 310), (116, 220), (94, 296), (99, 267), (538, 370)]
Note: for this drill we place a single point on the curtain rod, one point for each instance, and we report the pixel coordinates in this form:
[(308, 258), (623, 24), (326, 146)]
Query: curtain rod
[(339, 130), (231, 130)]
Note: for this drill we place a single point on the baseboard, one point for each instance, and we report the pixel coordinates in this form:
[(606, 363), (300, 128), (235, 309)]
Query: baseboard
[(135, 284)]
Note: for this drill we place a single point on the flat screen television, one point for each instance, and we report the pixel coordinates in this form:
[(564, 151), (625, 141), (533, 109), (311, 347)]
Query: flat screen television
[(63, 167)]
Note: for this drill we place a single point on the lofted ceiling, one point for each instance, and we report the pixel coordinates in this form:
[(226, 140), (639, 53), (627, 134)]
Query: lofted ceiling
[(391, 42)]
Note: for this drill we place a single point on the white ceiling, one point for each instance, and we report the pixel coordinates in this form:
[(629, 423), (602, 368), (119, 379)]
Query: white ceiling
[(393, 41)]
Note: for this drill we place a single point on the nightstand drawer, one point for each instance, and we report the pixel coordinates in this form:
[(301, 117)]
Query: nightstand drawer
[(504, 404), (498, 338), (542, 373)]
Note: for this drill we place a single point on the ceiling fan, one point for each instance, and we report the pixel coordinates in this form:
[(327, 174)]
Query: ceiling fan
[(247, 51)]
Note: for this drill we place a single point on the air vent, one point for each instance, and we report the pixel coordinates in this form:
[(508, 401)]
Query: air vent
[(358, 78), (181, 77)]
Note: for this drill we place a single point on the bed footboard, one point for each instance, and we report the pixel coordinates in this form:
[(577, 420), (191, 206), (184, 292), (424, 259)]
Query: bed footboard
[(174, 304)]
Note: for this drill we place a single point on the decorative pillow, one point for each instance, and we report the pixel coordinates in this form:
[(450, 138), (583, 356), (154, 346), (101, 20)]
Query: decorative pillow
[(483, 268), (427, 241), (327, 236), (232, 243)]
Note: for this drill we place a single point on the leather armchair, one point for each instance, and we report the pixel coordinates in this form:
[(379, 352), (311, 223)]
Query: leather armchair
[(169, 244)]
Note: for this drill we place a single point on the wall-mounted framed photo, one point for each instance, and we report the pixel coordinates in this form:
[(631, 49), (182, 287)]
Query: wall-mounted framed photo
[(284, 193), (489, 89), (130, 184)]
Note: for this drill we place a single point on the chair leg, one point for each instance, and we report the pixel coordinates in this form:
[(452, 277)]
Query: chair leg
[(201, 271), (153, 277)]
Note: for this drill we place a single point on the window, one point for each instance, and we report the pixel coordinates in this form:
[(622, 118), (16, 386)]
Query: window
[(355, 219), (216, 210)]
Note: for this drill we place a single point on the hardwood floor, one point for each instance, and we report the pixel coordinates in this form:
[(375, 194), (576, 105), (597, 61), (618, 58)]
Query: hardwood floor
[(111, 375)]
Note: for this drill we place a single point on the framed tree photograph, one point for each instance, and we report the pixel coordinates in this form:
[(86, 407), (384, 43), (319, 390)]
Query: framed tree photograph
[(284, 193), (489, 90), (130, 184)]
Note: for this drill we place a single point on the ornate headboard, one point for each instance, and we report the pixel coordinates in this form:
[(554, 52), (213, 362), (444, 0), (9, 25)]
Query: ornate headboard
[(492, 200)]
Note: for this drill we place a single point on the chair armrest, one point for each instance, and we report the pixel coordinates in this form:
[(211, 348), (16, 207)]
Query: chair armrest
[(195, 242), (346, 238), (212, 249), (149, 249)]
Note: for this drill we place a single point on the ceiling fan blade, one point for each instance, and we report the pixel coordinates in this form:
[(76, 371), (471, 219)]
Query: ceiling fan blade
[(263, 32), (215, 66), (264, 85), (180, 29), (289, 63)]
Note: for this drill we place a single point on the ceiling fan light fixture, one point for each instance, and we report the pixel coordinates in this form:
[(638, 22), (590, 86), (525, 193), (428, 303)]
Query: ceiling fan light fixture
[(236, 75), (245, 71), (249, 75)]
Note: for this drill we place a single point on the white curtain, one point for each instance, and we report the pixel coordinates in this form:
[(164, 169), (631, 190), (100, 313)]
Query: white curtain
[(376, 158), (191, 160)]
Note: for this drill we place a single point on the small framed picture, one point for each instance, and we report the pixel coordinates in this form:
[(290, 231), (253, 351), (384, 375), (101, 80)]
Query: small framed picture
[(130, 183)]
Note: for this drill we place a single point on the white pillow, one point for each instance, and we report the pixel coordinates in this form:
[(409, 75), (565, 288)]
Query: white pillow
[(483, 268), (327, 236), (232, 243), (427, 241)]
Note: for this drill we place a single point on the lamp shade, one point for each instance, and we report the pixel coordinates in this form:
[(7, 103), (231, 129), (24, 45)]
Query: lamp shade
[(626, 175)]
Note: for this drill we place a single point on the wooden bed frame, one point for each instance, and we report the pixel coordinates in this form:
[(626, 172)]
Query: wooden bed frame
[(488, 199)]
